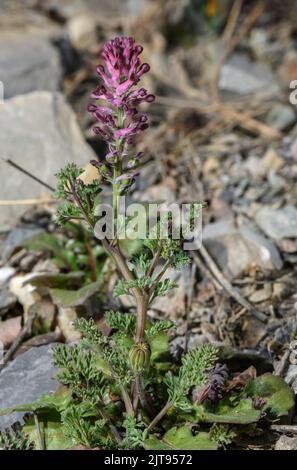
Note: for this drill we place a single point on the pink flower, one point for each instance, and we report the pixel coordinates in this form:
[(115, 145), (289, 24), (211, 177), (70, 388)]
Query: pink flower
[(118, 118)]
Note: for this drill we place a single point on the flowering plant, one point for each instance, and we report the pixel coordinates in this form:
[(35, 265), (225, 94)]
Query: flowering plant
[(120, 389)]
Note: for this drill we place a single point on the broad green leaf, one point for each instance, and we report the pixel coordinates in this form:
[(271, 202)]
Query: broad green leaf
[(224, 412), (75, 298), (180, 439), (58, 401), (159, 346), (52, 431), (277, 394), (56, 280)]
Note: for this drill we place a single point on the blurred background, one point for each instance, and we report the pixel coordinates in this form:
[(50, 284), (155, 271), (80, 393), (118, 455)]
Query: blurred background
[(223, 131)]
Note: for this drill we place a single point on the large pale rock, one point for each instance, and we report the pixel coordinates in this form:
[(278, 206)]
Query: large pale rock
[(25, 380), (28, 62), (278, 223), (67, 9), (241, 76), (39, 131), (236, 249), (286, 443)]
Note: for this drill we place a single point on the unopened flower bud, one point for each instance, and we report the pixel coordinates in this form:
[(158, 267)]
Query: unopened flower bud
[(140, 355), (133, 163)]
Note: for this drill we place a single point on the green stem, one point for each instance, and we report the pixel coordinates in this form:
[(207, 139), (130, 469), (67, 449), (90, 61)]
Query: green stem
[(142, 305), (111, 426), (127, 401), (38, 432), (159, 416)]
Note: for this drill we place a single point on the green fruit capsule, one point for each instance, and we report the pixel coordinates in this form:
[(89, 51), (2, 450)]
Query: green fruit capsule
[(139, 356)]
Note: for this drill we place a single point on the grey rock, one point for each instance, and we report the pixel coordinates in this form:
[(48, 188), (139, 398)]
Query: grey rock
[(25, 380), (82, 31), (137, 6), (7, 300), (262, 294), (291, 374), (281, 117), (16, 237), (278, 223), (66, 9), (235, 249), (28, 62), (39, 131), (5, 274), (241, 76), (286, 443)]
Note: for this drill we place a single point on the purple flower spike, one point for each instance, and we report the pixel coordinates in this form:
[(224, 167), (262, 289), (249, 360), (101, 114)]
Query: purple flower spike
[(117, 115)]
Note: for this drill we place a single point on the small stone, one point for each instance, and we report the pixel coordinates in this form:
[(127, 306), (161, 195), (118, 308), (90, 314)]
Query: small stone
[(7, 301), (253, 332), (25, 380), (17, 237), (82, 31), (261, 295), (287, 246), (278, 223), (286, 443), (211, 165), (271, 160), (9, 330), (159, 193), (197, 340), (173, 304), (281, 117), (294, 387), (291, 374), (237, 249), (6, 273)]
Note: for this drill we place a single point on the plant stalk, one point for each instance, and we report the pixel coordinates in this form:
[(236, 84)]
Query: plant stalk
[(159, 416)]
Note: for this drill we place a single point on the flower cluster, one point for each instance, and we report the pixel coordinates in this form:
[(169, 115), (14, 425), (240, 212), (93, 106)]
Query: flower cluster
[(117, 115), (213, 389)]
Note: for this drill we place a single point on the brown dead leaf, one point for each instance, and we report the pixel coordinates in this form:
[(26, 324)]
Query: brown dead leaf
[(90, 174), (241, 379)]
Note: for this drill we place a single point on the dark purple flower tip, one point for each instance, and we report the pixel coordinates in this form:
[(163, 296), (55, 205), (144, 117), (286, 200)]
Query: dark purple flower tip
[(91, 108), (104, 135), (150, 98), (100, 69), (144, 68)]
